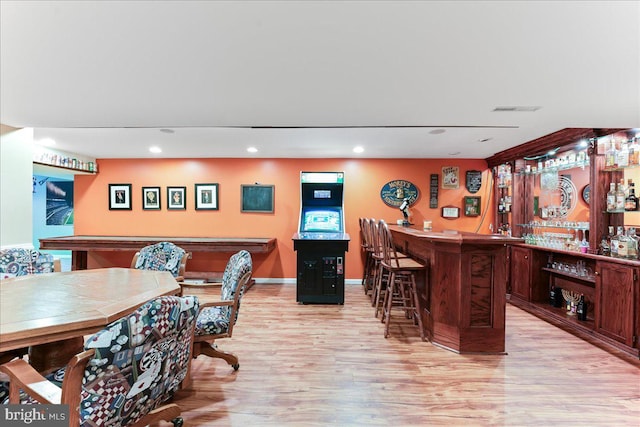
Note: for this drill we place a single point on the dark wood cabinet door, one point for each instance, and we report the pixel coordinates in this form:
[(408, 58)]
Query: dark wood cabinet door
[(521, 272), (615, 285)]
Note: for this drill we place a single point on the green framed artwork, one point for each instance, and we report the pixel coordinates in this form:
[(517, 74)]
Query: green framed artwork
[(471, 206)]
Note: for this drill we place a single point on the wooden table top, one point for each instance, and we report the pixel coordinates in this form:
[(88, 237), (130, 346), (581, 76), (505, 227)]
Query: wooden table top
[(42, 308)]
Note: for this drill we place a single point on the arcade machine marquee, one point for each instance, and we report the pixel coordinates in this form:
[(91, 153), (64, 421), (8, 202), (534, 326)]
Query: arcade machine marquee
[(320, 241)]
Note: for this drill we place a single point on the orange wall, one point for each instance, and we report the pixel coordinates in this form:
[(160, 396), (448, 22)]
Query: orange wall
[(363, 181)]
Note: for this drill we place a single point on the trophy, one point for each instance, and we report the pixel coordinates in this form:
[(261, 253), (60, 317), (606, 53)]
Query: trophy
[(572, 298)]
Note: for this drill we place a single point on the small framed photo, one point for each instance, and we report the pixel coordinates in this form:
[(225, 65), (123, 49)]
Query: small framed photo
[(450, 212), (471, 206), (120, 197), (176, 198), (151, 198), (206, 196)]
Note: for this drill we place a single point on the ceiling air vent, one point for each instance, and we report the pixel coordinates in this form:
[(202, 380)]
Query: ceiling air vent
[(518, 109)]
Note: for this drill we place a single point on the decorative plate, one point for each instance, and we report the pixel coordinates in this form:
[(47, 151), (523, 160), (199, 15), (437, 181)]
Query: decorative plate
[(586, 193)]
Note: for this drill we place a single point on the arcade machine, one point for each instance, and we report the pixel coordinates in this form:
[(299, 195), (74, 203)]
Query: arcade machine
[(321, 242)]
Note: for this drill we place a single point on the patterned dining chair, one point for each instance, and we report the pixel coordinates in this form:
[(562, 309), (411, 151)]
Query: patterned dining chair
[(16, 262), (127, 372), (217, 318), (21, 261), (162, 256)]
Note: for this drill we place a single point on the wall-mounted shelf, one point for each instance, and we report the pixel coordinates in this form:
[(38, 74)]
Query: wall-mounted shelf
[(58, 171)]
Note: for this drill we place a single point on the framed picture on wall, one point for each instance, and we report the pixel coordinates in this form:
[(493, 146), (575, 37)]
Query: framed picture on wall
[(176, 198), (206, 196), (450, 212), (257, 198), (151, 198), (472, 206), (120, 197)]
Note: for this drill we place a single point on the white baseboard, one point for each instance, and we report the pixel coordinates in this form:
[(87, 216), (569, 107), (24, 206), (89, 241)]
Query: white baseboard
[(292, 281)]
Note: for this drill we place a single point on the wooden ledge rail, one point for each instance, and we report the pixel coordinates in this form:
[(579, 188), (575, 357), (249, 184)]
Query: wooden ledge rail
[(80, 245)]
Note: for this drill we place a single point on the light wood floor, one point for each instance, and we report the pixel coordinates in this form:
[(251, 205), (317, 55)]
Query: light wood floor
[(329, 365)]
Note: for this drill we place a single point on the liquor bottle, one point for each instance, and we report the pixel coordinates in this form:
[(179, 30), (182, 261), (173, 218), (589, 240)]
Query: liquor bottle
[(634, 244), (613, 243), (631, 202), (622, 155), (610, 156), (611, 197), (622, 242), (582, 308), (552, 295), (634, 152), (605, 249), (620, 198), (559, 302)]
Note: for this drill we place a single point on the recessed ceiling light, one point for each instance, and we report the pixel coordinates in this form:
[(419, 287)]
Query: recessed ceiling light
[(155, 149), (583, 143), (165, 130), (485, 139), (437, 131), (358, 149), (520, 108), (252, 149), (455, 153), (47, 142)]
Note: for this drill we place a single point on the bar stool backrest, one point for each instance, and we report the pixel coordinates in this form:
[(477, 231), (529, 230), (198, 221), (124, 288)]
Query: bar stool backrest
[(389, 253)]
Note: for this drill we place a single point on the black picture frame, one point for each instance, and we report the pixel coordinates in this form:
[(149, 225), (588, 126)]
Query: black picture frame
[(151, 200), (120, 197), (206, 196), (259, 198), (472, 206), (176, 198)]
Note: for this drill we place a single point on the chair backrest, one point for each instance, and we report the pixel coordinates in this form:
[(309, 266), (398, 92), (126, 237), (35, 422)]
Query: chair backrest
[(236, 275), (365, 227), (374, 235), (139, 361), (20, 262), (162, 256), (389, 253), (364, 243)]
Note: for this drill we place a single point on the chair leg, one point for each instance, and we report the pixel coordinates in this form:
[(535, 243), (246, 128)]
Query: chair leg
[(388, 299), (416, 304), (366, 276), (211, 350)]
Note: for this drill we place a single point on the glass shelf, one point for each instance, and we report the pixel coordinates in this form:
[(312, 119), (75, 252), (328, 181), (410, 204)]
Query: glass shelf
[(620, 168), (554, 224), (581, 165)]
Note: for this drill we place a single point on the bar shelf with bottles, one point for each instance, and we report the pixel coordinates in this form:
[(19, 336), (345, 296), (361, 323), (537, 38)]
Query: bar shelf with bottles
[(536, 234), (621, 153), (62, 160), (568, 161), (504, 183)]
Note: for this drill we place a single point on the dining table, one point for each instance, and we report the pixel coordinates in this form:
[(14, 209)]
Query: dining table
[(51, 313)]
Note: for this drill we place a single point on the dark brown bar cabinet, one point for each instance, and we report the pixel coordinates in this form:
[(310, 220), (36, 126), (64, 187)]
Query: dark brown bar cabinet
[(562, 256)]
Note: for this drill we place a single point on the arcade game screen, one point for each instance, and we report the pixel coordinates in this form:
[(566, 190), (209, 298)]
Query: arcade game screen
[(321, 220)]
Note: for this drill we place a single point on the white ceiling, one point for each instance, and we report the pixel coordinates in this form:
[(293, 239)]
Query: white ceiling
[(102, 78)]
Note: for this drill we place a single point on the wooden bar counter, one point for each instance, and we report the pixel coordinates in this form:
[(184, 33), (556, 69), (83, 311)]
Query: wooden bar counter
[(463, 298)]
